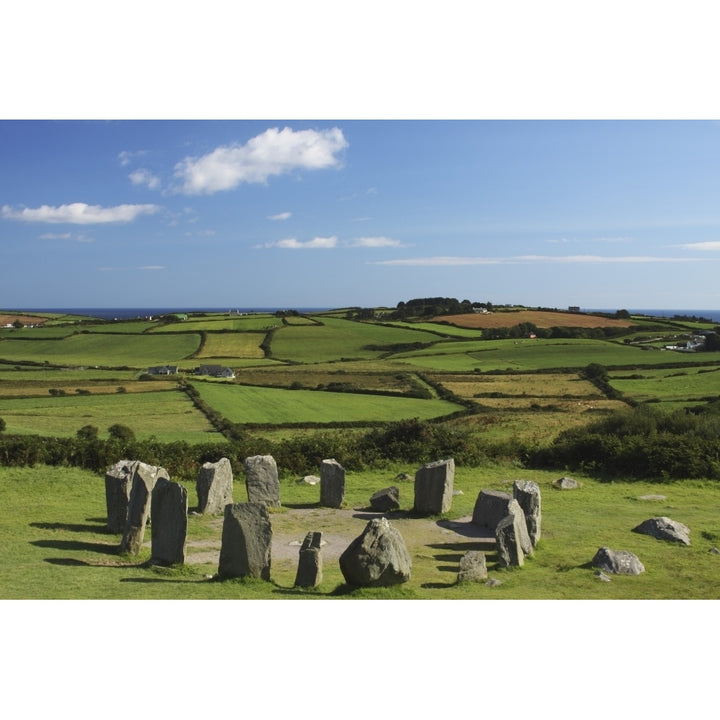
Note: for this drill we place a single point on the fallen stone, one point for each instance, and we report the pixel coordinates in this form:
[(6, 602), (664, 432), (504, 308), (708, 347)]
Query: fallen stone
[(404, 477), (602, 576), (617, 562), (653, 497), (664, 528), (493, 582), (332, 483), (309, 480), (214, 486), (385, 499), (473, 567), (169, 509), (309, 572), (566, 483), (434, 487), (261, 480), (376, 558), (246, 541), (714, 551), (527, 494)]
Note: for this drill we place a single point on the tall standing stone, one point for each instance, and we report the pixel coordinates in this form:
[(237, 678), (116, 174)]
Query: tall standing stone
[(214, 487), (246, 541), (332, 483), (309, 572), (527, 493), (377, 558), (144, 479), (168, 511), (118, 483), (508, 537), (434, 487), (261, 480)]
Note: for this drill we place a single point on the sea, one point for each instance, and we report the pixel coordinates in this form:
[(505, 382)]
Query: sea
[(145, 312)]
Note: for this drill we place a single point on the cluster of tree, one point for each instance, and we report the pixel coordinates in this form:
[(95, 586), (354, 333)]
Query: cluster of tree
[(528, 329), (431, 307), (640, 443)]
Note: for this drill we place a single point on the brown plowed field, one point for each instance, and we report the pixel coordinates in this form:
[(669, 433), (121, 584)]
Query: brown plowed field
[(24, 319), (540, 318)]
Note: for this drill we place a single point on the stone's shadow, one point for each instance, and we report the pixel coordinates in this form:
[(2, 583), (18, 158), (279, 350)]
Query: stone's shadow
[(76, 545), (468, 529), (161, 580), (464, 547), (302, 506), (69, 562), (70, 527), (438, 586)]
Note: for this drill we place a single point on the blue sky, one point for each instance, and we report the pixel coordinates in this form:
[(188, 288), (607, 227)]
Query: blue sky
[(330, 213)]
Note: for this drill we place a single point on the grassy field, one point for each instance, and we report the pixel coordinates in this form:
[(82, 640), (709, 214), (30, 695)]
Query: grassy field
[(276, 406), (54, 544), (168, 414)]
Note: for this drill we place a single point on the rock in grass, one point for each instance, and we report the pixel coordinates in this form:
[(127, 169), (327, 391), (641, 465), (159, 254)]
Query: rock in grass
[(246, 541), (309, 572), (434, 487), (527, 493), (473, 567), (566, 483), (143, 481), (214, 486), (376, 558), (385, 499), (261, 480), (169, 522), (332, 483), (664, 528), (617, 562)]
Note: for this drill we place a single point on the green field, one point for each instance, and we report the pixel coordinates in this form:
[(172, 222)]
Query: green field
[(53, 542), (274, 406), (669, 385), (168, 414)]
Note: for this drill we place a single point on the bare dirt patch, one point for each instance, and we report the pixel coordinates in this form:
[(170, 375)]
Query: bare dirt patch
[(540, 318)]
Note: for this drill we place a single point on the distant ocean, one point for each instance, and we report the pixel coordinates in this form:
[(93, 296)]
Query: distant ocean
[(131, 313)]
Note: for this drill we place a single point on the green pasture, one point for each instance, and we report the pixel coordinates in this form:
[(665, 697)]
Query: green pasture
[(27, 375), (45, 332), (232, 345), (263, 405), (125, 327), (439, 329), (54, 545), (669, 385), (217, 323), (540, 354), (164, 414), (336, 339), (103, 349)]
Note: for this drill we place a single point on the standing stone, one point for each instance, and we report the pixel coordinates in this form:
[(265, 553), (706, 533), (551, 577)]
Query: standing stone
[(246, 541), (118, 483), (490, 508), (508, 537), (473, 567), (214, 487), (527, 493), (434, 487), (169, 522), (261, 480), (309, 572), (376, 558), (332, 483), (618, 562), (144, 479), (663, 528), (385, 499)]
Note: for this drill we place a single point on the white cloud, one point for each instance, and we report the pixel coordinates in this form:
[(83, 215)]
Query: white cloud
[(79, 213), (151, 267), (709, 245), (56, 236), (528, 260), (280, 216), (375, 242), (125, 157), (144, 177), (274, 152), (294, 244)]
